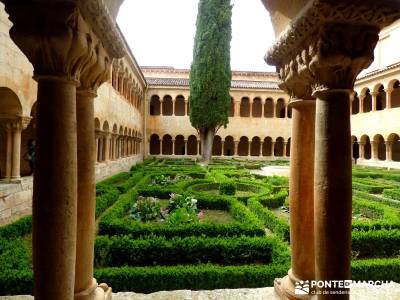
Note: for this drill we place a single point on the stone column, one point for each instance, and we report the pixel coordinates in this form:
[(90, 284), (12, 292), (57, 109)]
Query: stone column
[(161, 142), (173, 147), (16, 151), (161, 107), (198, 148), (8, 151), (262, 107), (374, 149), (273, 149), (389, 97), (107, 147), (362, 150), (261, 148), (374, 100), (249, 149), (301, 198), (250, 108), (186, 153), (222, 148), (236, 149), (389, 151), (284, 149), (362, 98), (186, 108)]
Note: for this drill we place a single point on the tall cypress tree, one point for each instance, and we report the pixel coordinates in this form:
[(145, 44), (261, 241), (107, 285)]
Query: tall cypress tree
[(210, 73)]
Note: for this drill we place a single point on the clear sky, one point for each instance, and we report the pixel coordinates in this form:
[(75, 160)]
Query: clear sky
[(161, 32)]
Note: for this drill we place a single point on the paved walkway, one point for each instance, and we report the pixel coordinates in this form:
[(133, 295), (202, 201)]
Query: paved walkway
[(273, 171)]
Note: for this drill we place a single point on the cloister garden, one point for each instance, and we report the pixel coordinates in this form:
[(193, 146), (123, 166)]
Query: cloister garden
[(173, 224)]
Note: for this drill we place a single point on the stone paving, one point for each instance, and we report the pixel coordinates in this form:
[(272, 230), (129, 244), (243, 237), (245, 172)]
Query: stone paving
[(391, 292)]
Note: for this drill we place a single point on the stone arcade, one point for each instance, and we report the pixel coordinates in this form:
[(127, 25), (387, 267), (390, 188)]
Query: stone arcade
[(76, 53)]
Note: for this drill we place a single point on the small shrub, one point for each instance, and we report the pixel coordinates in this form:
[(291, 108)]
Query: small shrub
[(146, 209), (227, 188)]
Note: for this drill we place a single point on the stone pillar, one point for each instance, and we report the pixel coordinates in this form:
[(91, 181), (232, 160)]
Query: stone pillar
[(236, 149), (389, 151), (284, 149), (374, 100), (273, 149), (161, 142), (262, 107), (362, 98), (249, 149), (198, 148), (173, 147), (250, 108), (186, 108), (301, 198), (362, 150), (107, 147), (374, 149), (161, 107), (186, 153), (389, 97), (8, 151), (261, 148), (222, 148), (16, 151)]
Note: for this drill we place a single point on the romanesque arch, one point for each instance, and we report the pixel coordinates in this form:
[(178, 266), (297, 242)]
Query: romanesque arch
[(365, 141), (380, 147), (380, 97), (154, 144), (243, 146), (280, 108), (367, 101), (229, 146), (255, 146), (257, 108), (394, 141), (278, 150), (245, 107), (167, 145), (180, 106), (155, 106), (217, 146), (267, 146), (269, 108), (192, 145), (355, 105), (179, 145), (167, 106), (395, 99)]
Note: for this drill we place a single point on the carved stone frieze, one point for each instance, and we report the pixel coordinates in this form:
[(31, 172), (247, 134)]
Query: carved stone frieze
[(317, 13)]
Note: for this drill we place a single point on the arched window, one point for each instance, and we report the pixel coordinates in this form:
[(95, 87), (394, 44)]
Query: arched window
[(269, 108), (355, 105), (229, 146), (381, 98), (280, 108), (179, 145), (192, 145), (180, 106), (155, 106), (243, 147), (367, 102), (217, 146), (167, 145), (255, 146), (245, 107), (257, 108), (167, 106), (278, 151), (267, 146), (154, 144)]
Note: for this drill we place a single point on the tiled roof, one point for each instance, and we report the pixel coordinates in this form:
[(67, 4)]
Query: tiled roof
[(376, 72), (240, 84)]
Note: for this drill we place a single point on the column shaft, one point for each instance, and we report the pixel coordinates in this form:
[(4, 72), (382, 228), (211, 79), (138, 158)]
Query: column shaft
[(86, 192), (332, 187), (9, 153), (55, 191), (16, 152)]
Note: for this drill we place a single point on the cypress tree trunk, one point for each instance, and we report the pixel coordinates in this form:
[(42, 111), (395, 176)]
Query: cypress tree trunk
[(206, 140)]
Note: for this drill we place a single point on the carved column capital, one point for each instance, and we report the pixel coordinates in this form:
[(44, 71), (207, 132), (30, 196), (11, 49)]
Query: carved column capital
[(54, 37)]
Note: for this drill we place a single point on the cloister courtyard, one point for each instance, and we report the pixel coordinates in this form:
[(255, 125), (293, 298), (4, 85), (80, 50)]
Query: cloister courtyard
[(170, 224), (106, 186)]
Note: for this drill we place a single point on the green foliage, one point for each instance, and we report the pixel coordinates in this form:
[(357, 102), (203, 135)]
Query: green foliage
[(379, 243), (210, 73), (182, 216), (227, 188), (376, 269), (274, 200), (393, 194), (17, 229), (276, 225), (145, 209), (125, 251), (197, 277), (106, 195)]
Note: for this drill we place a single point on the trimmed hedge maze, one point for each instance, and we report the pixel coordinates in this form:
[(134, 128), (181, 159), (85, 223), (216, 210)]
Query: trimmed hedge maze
[(171, 224)]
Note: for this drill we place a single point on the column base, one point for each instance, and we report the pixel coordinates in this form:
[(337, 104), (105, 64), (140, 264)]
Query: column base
[(286, 288), (95, 292)]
